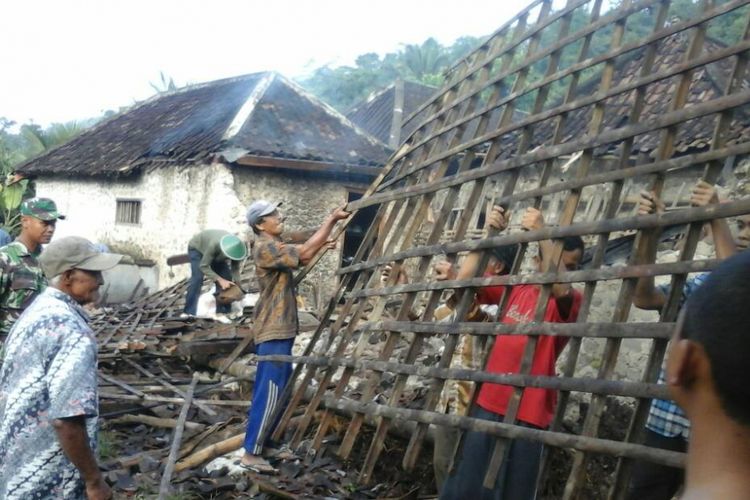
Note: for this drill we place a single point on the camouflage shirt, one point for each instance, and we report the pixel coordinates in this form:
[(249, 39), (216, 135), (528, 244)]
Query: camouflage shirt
[(21, 280)]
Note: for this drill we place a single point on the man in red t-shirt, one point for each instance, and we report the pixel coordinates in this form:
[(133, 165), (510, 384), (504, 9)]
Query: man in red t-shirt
[(517, 478)]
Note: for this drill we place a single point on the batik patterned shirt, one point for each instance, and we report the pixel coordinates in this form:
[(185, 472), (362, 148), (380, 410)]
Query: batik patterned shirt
[(276, 309), (21, 280), (49, 373), (664, 416)]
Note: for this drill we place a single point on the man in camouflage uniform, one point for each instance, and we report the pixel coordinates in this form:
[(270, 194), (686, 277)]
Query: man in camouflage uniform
[(21, 277)]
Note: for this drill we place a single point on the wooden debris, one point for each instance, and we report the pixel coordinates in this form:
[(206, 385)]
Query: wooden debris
[(166, 479)]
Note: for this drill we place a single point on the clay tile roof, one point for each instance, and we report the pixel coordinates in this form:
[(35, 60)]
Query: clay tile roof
[(261, 114), (375, 114), (707, 83)]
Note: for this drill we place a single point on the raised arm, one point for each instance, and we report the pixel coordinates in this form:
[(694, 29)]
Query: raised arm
[(309, 248), (497, 219), (533, 220), (646, 295), (705, 194)]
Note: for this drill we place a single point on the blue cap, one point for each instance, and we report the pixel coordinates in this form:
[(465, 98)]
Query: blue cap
[(260, 209)]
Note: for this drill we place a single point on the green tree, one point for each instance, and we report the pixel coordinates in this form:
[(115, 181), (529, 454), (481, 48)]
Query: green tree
[(39, 140), (345, 86), (425, 60), (30, 141), (10, 150)]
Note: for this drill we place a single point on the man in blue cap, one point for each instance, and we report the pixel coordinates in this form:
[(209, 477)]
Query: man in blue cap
[(21, 277), (275, 321), (216, 254)]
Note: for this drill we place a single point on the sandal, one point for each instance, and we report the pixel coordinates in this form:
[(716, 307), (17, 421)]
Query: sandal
[(259, 468), (283, 453)]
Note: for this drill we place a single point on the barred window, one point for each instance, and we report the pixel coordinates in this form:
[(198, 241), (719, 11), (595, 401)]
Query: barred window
[(128, 212)]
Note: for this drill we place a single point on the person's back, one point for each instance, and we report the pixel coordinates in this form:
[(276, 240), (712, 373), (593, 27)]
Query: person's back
[(706, 374), (217, 255)]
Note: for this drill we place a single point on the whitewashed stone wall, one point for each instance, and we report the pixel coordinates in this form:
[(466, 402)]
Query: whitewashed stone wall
[(177, 202)]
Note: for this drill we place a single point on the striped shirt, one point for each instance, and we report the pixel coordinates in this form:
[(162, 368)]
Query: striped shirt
[(664, 416), (276, 309)]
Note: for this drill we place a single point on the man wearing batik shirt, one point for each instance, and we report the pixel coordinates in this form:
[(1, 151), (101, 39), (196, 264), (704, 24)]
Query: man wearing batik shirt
[(275, 324), (48, 389), (667, 426)]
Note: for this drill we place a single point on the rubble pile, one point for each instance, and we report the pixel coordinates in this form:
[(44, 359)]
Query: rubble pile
[(153, 364)]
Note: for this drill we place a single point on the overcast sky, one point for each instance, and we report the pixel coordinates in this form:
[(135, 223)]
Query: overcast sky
[(71, 59)]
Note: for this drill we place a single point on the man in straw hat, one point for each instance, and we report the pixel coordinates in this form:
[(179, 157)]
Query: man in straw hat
[(216, 254), (48, 383)]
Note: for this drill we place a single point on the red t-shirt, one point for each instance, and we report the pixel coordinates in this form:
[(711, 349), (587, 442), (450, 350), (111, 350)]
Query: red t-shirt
[(537, 405), (490, 295)]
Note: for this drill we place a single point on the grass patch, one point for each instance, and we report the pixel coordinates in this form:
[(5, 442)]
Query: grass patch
[(106, 446)]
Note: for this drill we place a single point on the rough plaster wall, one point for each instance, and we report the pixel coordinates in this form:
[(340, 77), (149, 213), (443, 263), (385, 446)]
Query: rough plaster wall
[(176, 203), (306, 202)]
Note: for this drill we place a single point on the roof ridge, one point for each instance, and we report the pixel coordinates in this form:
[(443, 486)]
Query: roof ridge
[(248, 107), (371, 97), (331, 111)]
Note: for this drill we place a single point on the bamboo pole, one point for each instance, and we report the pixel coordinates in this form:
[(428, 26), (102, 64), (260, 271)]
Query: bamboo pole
[(210, 452), (541, 278), (499, 429), (166, 479), (590, 385), (393, 336), (169, 423), (672, 218)]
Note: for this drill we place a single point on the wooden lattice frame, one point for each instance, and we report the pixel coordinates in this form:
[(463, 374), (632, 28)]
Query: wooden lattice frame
[(426, 176)]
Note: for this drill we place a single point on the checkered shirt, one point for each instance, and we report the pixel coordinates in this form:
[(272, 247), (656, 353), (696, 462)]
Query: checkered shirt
[(664, 416)]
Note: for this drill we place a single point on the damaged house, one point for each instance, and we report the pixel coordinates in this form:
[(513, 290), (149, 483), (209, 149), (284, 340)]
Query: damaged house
[(146, 180)]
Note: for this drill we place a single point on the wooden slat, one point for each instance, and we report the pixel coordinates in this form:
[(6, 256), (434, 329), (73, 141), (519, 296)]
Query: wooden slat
[(644, 243), (492, 82)]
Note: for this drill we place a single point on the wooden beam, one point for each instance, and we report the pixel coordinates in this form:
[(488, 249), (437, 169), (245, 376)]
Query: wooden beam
[(308, 165)]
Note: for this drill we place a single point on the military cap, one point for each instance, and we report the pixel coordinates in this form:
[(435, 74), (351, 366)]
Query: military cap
[(41, 208)]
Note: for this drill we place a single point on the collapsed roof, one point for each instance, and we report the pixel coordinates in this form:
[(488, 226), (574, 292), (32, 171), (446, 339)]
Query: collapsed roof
[(260, 114)]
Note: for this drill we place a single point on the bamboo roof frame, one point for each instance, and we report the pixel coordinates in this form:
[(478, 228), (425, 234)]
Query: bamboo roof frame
[(496, 76)]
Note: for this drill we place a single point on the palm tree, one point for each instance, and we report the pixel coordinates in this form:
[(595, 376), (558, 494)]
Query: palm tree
[(424, 61), (39, 140)]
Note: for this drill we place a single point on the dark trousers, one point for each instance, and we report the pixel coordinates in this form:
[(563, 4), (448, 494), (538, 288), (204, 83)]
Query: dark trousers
[(657, 482), (196, 282), (517, 477), (446, 439)]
